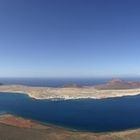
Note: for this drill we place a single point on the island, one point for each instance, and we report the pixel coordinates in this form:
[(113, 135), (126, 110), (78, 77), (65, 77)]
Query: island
[(114, 88), (22, 128)]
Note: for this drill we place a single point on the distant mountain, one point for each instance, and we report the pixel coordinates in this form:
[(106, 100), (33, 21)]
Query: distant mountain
[(119, 84), (72, 86)]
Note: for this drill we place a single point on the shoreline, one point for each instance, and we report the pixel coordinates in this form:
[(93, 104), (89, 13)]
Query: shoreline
[(47, 124), (64, 127), (42, 93), (63, 132), (65, 99), (53, 129)]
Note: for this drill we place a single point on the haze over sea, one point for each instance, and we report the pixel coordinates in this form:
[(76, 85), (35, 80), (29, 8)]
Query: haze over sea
[(60, 82)]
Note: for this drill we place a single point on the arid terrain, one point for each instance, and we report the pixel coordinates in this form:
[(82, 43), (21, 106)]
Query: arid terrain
[(16, 128), (117, 84), (114, 88)]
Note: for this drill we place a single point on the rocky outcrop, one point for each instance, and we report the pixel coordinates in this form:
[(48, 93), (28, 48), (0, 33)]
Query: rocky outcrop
[(10, 131), (71, 93), (72, 86), (119, 84)]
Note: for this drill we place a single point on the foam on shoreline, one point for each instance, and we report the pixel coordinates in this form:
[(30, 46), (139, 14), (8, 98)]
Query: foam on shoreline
[(41, 93)]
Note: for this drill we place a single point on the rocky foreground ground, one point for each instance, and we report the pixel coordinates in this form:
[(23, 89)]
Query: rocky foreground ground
[(17, 128)]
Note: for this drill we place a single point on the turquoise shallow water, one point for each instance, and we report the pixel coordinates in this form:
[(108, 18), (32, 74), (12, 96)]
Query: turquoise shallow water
[(103, 115)]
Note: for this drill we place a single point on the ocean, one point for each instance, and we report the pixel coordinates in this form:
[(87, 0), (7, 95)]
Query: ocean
[(58, 82), (104, 115)]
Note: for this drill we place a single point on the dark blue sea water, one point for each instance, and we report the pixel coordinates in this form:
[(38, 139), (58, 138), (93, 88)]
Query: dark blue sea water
[(58, 82), (103, 115), (88, 115), (54, 82)]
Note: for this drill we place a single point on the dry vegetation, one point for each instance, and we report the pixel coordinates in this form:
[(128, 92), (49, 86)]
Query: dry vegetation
[(47, 132)]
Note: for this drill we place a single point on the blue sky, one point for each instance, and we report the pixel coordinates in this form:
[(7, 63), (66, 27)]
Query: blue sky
[(69, 38)]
